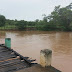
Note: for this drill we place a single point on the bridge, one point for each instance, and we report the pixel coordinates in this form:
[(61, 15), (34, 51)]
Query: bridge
[(11, 61)]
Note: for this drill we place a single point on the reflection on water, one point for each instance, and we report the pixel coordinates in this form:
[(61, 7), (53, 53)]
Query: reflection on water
[(29, 43)]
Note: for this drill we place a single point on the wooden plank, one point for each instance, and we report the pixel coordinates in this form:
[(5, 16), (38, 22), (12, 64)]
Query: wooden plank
[(14, 68), (5, 50), (5, 58), (5, 53), (6, 68), (9, 61), (15, 64)]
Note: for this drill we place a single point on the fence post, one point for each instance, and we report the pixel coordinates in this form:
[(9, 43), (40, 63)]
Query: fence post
[(45, 57), (8, 42)]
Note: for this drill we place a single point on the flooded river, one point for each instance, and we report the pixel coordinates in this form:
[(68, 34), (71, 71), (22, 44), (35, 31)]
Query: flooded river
[(29, 43)]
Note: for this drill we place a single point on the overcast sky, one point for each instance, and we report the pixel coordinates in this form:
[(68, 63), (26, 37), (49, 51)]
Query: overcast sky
[(29, 9)]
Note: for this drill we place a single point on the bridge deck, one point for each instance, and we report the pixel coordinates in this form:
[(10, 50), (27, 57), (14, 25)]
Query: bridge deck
[(12, 61)]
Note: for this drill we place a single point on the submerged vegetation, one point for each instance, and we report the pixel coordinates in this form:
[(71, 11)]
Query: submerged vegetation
[(60, 20)]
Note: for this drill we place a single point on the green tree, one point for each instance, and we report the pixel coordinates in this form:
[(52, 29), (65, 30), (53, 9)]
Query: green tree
[(61, 17), (21, 25), (2, 20)]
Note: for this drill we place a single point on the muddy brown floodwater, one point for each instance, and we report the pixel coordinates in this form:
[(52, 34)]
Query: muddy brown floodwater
[(29, 43)]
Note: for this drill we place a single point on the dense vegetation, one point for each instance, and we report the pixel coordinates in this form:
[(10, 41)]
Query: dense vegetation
[(60, 19)]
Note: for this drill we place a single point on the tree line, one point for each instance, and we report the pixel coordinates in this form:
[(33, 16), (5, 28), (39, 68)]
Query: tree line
[(60, 19)]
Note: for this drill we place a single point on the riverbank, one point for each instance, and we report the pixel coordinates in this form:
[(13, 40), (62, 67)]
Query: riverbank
[(16, 29)]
